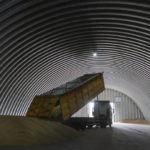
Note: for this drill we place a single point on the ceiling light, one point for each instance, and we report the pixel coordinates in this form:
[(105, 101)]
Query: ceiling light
[(94, 54)]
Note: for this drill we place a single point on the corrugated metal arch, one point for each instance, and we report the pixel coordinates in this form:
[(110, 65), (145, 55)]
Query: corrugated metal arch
[(46, 43)]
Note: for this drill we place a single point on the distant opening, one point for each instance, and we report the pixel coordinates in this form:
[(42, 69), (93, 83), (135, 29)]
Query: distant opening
[(112, 105), (91, 108), (113, 110)]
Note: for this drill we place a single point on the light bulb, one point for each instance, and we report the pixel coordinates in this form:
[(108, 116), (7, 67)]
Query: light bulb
[(94, 54)]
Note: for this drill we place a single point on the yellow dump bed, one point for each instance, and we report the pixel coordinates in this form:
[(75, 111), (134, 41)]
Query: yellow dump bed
[(64, 101)]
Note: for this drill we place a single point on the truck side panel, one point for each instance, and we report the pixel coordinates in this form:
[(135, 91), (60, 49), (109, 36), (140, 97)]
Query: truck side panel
[(80, 96), (42, 106)]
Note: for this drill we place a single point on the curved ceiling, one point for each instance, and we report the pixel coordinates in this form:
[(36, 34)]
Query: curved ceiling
[(46, 43)]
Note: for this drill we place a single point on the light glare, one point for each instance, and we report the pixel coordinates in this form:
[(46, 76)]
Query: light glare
[(94, 54), (91, 108)]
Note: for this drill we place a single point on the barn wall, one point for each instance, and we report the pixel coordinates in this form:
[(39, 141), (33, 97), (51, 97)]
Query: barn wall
[(124, 107)]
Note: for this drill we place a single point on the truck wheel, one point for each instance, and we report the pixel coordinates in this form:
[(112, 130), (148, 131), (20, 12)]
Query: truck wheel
[(103, 126), (83, 127), (90, 126)]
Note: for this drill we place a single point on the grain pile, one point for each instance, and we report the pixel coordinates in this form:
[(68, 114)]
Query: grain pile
[(136, 121), (33, 131)]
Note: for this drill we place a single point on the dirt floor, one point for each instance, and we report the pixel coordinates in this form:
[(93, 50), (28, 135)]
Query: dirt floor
[(135, 121), (32, 131), (121, 136)]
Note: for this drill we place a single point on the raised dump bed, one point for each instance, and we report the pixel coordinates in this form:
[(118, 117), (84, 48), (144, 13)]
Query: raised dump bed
[(62, 102)]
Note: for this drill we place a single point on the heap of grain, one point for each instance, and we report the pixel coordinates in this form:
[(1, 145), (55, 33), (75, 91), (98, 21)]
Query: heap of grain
[(135, 121), (33, 131)]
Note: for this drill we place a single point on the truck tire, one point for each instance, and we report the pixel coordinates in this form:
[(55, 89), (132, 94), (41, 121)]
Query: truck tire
[(90, 126), (103, 126)]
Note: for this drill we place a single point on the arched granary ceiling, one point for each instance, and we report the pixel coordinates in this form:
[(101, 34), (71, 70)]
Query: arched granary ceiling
[(45, 43)]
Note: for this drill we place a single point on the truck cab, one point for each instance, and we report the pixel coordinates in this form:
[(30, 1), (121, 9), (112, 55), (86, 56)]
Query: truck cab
[(103, 112)]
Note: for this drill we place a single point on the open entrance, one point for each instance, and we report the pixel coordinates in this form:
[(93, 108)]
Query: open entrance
[(91, 108)]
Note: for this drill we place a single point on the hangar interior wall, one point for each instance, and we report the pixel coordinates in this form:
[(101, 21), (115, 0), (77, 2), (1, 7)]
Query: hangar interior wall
[(46, 43), (123, 106)]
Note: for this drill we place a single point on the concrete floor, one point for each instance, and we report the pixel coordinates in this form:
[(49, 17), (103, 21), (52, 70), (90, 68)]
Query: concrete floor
[(119, 137)]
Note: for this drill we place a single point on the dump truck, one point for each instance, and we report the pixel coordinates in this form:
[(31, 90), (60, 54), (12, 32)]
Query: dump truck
[(61, 103)]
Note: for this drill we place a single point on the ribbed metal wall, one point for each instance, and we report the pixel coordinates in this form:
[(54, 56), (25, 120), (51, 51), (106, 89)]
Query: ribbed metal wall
[(124, 109), (45, 43)]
